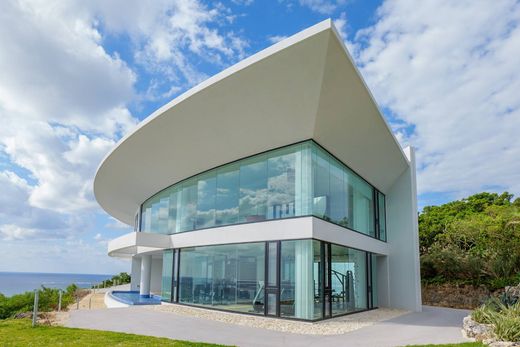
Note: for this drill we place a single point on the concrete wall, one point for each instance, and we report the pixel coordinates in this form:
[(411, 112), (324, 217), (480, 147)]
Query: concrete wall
[(404, 281)]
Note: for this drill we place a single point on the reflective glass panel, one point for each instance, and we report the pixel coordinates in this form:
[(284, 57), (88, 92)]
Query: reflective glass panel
[(167, 272), (299, 279), (348, 280), (188, 205), (375, 292), (253, 189), (362, 205), (338, 195), (321, 173), (227, 195), (272, 272), (382, 216), (281, 181), (206, 198), (229, 277), (298, 180)]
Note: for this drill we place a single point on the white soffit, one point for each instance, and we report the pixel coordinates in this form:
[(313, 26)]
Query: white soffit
[(300, 88)]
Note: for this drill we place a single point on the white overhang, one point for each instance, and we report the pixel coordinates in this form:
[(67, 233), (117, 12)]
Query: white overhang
[(303, 87), (134, 243), (281, 229)]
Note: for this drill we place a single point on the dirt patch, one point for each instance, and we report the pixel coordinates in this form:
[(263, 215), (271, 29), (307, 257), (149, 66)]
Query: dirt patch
[(455, 295)]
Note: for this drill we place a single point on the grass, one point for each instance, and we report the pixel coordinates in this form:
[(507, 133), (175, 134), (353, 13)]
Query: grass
[(18, 332), (464, 344)]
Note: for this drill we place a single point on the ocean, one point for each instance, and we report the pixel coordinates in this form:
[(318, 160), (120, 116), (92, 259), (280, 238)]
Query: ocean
[(18, 282)]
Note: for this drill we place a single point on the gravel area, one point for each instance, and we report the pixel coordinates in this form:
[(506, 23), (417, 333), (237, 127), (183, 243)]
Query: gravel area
[(334, 326)]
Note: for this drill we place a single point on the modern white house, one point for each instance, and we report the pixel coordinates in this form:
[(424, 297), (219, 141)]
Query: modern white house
[(274, 188)]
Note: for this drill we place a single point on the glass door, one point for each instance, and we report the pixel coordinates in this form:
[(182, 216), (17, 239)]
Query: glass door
[(326, 280), (272, 288)]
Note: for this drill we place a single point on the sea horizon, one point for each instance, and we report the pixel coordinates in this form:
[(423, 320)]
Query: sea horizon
[(18, 282)]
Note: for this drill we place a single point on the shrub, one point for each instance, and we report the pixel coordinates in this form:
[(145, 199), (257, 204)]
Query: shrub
[(505, 319), (485, 314), (507, 327), (48, 301)]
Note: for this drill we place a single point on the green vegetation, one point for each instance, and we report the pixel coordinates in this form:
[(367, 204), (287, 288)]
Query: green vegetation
[(464, 344), (19, 333), (122, 278), (48, 301), (475, 240), (504, 318)]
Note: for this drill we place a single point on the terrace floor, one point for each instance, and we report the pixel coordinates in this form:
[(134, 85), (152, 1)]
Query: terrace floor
[(433, 325)]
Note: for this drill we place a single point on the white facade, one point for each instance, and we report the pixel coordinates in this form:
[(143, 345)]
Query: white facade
[(305, 87)]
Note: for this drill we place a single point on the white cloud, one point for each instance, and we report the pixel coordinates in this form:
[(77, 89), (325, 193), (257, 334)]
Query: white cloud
[(276, 38), (164, 32), (341, 24), (450, 70), (64, 101), (322, 6)]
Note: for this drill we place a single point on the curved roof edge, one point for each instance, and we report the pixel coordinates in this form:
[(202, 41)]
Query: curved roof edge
[(302, 35), (109, 201)]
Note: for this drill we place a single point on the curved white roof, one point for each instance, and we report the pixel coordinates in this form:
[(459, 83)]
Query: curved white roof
[(303, 87)]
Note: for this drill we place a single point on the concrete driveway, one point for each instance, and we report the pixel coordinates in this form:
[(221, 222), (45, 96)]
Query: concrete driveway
[(433, 325)]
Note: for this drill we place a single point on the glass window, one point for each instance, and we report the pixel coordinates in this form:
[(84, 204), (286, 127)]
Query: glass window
[(338, 195), (298, 180), (382, 215), (188, 205), (253, 189), (299, 279), (155, 214), (362, 205), (229, 277), (348, 280), (281, 180), (375, 293), (321, 172), (303, 180), (271, 304), (206, 196), (227, 195), (272, 268), (174, 225), (167, 272)]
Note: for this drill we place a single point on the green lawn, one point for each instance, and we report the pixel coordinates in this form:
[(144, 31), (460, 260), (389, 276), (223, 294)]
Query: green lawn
[(18, 332), (465, 344)]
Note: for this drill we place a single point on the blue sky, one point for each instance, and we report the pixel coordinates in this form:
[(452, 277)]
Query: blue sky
[(76, 76)]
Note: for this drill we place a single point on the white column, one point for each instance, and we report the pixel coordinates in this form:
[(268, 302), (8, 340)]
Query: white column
[(146, 274), (404, 277), (136, 274)]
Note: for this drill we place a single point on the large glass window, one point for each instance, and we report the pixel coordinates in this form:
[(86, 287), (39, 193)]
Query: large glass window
[(348, 280), (375, 292), (167, 272), (298, 180), (174, 225), (227, 195), (281, 181), (382, 216), (304, 279), (321, 183), (188, 205), (206, 196), (362, 205), (253, 189), (299, 280), (229, 277)]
